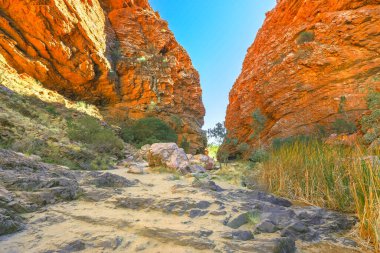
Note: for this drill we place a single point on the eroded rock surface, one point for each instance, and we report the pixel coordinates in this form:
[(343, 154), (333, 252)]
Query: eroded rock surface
[(118, 211), (312, 62), (119, 55)]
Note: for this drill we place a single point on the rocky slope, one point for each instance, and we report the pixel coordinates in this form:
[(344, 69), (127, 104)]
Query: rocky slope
[(119, 55), (52, 210), (312, 63)]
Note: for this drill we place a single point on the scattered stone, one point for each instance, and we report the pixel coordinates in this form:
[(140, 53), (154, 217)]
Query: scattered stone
[(9, 222), (136, 169), (218, 213), (195, 168), (284, 245), (111, 180), (203, 204), (266, 226), (298, 230), (206, 185), (238, 235), (238, 221), (74, 246), (135, 203), (197, 213), (195, 239), (202, 160)]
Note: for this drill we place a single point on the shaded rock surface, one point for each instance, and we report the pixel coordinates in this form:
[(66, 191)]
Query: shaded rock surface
[(118, 211), (312, 62), (119, 55)]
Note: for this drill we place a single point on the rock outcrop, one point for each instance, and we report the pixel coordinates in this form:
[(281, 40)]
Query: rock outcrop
[(312, 63), (119, 55)]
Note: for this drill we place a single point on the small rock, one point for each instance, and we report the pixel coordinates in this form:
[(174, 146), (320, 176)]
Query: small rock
[(240, 235), (285, 245), (348, 242), (218, 213), (206, 185), (203, 204), (238, 221), (195, 168), (111, 180), (197, 213), (9, 223), (266, 226), (202, 160), (74, 246)]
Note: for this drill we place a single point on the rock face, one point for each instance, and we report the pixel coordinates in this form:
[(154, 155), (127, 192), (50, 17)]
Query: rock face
[(119, 55), (312, 62)]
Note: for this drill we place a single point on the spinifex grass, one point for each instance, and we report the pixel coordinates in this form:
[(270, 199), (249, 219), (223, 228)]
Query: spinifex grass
[(340, 178)]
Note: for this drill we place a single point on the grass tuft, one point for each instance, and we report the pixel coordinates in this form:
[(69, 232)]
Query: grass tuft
[(341, 178)]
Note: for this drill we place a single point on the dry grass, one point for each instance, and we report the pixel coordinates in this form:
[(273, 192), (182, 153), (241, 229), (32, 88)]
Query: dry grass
[(340, 178)]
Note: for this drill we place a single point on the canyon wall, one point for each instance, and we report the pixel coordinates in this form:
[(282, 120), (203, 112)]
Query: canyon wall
[(311, 64), (117, 54)]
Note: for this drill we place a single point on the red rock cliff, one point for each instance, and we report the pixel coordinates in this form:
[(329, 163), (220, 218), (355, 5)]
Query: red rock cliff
[(117, 54), (312, 62)]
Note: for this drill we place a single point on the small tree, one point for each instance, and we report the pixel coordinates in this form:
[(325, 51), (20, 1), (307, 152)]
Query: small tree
[(258, 124), (218, 133)]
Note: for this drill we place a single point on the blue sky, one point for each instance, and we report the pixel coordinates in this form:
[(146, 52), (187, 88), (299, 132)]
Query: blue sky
[(216, 34)]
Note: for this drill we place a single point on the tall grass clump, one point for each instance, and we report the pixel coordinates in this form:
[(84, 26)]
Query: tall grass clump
[(341, 178)]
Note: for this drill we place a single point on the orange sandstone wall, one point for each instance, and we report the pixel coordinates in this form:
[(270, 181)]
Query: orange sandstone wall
[(311, 63), (117, 54)]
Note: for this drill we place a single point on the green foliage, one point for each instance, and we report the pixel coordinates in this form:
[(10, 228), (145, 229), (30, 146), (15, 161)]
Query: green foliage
[(343, 126), (115, 52), (218, 133), (177, 121), (259, 155), (370, 123), (305, 36), (258, 122), (243, 147), (89, 131), (185, 145), (222, 156), (213, 150), (342, 103), (148, 131), (253, 218), (52, 110)]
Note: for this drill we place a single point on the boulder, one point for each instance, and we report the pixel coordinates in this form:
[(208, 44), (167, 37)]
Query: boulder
[(203, 160), (170, 156)]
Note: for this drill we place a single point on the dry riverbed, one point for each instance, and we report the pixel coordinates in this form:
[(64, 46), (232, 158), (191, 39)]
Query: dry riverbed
[(57, 210)]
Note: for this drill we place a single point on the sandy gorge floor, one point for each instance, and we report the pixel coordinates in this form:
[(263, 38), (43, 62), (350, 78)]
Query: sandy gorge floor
[(161, 214)]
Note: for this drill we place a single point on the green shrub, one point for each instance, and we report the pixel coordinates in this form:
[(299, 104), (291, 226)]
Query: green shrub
[(343, 126), (370, 123), (258, 123), (259, 155), (148, 131), (52, 110), (305, 36), (242, 147), (89, 131), (185, 144)]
